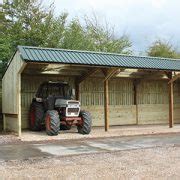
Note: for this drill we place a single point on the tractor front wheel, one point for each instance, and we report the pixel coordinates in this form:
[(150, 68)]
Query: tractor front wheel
[(85, 128), (52, 123)]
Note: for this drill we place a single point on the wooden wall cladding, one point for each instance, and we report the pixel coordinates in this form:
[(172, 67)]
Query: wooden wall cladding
[(152, 99)]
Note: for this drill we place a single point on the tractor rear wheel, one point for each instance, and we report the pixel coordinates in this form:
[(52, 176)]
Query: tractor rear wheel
[(36, 116), (85, 128), (52, 123)]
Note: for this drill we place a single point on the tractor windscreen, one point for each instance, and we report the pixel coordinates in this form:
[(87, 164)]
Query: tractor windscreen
[(54, 89)]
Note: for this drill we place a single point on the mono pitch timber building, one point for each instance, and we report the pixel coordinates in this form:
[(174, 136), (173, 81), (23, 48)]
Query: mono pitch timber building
[(116, 89)]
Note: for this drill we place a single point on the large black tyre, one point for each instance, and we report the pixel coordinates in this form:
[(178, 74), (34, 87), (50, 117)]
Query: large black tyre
[(52, 122), (36, 116), (65, 127), (87, 122)]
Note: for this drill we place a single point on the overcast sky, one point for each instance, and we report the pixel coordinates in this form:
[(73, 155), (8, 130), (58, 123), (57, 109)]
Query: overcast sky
[(143, 20)]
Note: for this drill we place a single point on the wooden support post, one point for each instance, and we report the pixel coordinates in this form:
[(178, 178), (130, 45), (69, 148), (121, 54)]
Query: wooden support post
[(4, 122), (171, 103), (19, 123), (135, 99), (19, 99), (108, 73), (135, 93), (106, 105)]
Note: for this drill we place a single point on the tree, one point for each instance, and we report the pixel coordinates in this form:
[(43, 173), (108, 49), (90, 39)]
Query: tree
[(162, 49), (104, 38), (31, 24), (75, 37), (5, 48), (94, 36), (28, 22)]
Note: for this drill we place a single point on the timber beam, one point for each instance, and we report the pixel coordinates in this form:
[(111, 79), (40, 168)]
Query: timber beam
[(174, 78), (86, 75), (167, 74), (108, 73), (154, 74)]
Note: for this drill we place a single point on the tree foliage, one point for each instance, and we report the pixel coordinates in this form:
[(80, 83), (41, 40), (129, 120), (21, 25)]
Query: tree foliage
[(162, 49), (93, 36), (103, 38), (28, 22)]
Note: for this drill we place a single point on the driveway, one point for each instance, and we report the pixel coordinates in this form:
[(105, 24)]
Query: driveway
[(85, 146)]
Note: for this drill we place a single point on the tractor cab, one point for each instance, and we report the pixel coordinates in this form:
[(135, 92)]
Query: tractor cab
[(61, 89)]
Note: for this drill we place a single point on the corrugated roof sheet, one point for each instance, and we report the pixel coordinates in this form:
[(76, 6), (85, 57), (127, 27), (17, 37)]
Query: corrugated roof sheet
[(52, 55)]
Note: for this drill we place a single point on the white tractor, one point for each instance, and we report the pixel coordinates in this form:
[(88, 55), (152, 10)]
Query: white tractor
[(54, 107)]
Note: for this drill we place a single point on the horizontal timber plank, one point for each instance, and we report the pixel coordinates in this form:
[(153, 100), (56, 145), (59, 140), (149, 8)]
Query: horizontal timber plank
[(124, 115)]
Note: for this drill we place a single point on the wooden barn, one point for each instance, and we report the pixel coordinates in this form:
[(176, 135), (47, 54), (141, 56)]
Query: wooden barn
[(117, 89)]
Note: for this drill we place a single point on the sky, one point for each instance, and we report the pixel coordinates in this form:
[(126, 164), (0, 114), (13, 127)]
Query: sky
[(144, 21)]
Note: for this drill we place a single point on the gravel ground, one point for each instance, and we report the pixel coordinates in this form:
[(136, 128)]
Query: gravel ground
[(154, 163), (8, 138)]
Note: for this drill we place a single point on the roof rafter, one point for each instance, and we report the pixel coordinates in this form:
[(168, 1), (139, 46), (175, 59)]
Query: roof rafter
[(86, 75), (174, 78), (108, 73)]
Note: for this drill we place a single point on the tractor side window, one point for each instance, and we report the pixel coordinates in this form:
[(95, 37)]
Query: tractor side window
[(66, 91), (56, 91)]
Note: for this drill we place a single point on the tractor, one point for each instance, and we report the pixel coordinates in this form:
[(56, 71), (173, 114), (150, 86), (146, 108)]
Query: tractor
[(55, 109)]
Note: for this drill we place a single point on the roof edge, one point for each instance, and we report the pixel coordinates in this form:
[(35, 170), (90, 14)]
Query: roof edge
[(97, 52), (106, 66)]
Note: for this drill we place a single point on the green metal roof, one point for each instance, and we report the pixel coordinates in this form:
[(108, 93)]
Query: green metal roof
[(52, 55)]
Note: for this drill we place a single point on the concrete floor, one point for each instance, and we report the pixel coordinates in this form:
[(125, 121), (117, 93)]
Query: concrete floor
[(23, 151), (98, 132)]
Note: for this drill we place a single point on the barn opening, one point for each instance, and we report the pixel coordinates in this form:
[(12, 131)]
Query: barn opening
[(116, 89)]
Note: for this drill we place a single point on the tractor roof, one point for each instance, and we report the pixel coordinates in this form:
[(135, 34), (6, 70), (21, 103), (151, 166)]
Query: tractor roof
[(55, 82)]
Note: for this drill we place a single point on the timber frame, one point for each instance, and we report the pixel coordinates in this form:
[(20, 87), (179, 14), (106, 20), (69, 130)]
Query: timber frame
[(79, 73), (108, 73), (172, 79)]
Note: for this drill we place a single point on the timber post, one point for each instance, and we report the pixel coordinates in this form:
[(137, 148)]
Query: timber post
[(106, 105), (171, 102), (135, 83), (108, 73), (4, 122)]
